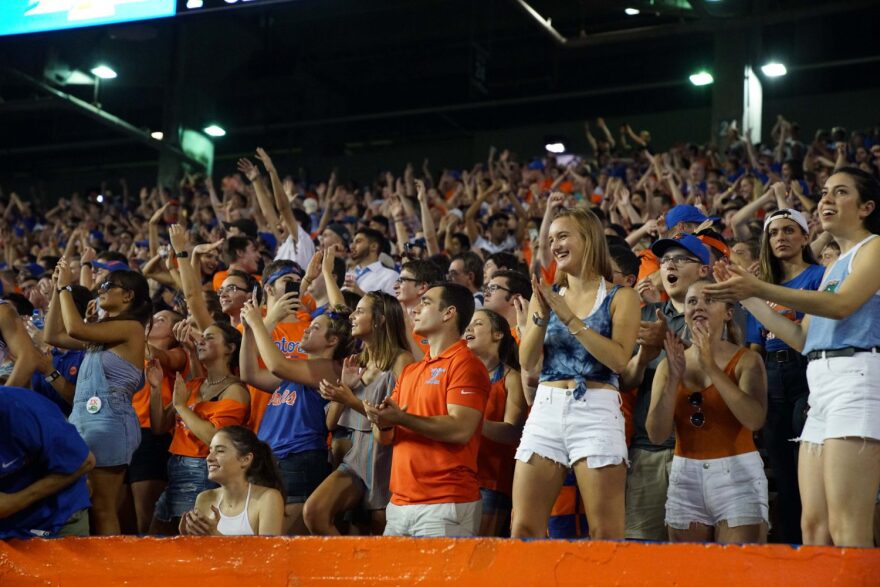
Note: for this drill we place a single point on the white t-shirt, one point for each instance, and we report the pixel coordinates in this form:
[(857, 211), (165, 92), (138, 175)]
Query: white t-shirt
[(376, 277), (301, 252)]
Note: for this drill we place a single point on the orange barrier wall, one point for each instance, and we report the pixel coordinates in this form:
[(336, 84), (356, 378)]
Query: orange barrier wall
[(246, 562)]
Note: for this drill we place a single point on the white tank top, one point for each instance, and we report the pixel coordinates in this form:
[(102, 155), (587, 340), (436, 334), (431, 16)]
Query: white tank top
[(239, 525)]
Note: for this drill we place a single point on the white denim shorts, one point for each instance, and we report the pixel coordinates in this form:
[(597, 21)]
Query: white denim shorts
[(452, 520), (711, 491), (566, 430), (844, 398)]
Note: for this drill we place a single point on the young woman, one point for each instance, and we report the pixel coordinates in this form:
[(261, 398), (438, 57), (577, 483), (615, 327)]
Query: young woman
[(489, 337), (147, 474), (714, 396), (364, 474), (249, 501), (110, 374), (787, 260), (576, 419), (198, 409), (839, 458), (294, 423)]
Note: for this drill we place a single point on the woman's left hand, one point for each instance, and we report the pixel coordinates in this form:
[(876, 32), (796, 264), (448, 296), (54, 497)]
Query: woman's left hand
[(336, 392), (181, 393), (552, 300), (733, 284), (63, 276), (704, 343), (200, 525)]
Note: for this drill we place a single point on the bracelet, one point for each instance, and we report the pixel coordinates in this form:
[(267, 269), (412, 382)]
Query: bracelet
[(87, 264), (65, 288), (181, 255), (584, 327), (542, 322)]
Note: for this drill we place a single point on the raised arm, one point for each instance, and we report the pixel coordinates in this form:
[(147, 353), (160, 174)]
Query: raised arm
[(192, 288), (251, 371), (427, 219)]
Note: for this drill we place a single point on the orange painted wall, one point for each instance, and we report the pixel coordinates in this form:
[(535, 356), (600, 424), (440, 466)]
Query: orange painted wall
[(246, 562)]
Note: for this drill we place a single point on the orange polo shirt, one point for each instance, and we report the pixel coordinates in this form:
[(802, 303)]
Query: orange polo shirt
[(495, 461), (220, 413), (425, 471)]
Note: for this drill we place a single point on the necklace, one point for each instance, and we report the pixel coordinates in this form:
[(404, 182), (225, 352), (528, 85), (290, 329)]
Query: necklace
[(221, 380)]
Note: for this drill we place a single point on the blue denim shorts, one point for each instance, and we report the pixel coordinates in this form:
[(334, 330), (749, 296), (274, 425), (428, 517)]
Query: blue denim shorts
[(187, 477), (302, 472), (495, 501)]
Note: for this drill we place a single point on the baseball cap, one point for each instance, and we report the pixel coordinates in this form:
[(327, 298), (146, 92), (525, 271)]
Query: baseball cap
[(788, 214), (245, 226), (686, 213), (342, 231), (685, 241), (111, 265)]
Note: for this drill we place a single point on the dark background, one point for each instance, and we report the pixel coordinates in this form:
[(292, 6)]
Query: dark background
[(366, 85)]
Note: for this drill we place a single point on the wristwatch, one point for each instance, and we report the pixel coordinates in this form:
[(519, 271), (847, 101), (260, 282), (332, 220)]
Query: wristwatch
[(66, 288), (536, 318), (53, 376), (181, 255)]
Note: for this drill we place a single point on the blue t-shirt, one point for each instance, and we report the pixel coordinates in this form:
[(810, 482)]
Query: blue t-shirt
[(295, 420), (36, 441), (809, 279), (67, 363)]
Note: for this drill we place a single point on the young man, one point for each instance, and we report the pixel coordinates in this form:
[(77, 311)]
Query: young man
[(240, 253), (433, 418), (501, 292), (498, 231), (369, 273), (416, 277), (43, 463), (467, 269), (683, 260)]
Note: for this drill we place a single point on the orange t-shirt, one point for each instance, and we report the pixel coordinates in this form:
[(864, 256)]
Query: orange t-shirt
[(287, 336), (721, 435), (425, 471), (648, 265), (220, 413), (140, 401), (495, 461)]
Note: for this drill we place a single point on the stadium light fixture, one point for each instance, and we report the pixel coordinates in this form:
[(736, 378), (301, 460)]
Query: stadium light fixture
[(555, 148), (631, 11), (215, 131), (104, 72), (158, 135), (702, 78), (774, 69)]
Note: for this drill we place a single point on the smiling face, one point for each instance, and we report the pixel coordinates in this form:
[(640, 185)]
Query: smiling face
[(479, 335), (233, 295), (159, 330), (113, 297), (314, 338), (213, 345), (704, 310), (840, 209), (362, 318), (210, 260), (566, 245), (224, 462)]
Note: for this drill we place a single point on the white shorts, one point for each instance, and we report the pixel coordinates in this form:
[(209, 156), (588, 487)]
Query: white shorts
[(452, 520), (844, 398), (711, 491), (566, 430)]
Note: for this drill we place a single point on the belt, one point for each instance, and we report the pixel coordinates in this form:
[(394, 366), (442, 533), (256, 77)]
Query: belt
[(782, 356), (844, 352)]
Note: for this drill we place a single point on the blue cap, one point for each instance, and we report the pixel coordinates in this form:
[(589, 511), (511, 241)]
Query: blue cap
[(34, 269), (685, 241), (97, 234), (111, 266), (269, 239), (686, 213), (536, 165)]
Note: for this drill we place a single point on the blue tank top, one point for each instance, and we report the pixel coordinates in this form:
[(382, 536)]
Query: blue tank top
[(566, 358), (861, 329), (294, 420)]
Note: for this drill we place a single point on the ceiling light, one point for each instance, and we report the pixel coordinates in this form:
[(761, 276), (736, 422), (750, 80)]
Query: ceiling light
[(158, 135), (702, 78), (103, 72), (774, 69), (631, 11), (555, 147), (214, 131)]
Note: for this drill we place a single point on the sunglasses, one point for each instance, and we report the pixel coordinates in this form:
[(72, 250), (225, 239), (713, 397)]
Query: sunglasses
[(107, 286), (698, 418)]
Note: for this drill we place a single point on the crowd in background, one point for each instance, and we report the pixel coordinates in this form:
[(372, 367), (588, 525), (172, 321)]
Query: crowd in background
[(616, 344)]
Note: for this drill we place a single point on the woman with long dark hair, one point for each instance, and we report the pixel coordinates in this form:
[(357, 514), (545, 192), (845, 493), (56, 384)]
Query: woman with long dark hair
[(249, 501), (787, 260), (489, 337), (111, 373), (365, 471), (839, 458)]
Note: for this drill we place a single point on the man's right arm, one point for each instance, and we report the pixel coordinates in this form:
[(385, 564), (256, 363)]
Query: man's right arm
[(12, 503)]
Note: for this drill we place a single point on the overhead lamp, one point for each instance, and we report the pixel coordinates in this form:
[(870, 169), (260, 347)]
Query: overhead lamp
[(774, 69), (631, 11), (214, 131), (103, 72), (158, 135), (702, 78), (555, 148)]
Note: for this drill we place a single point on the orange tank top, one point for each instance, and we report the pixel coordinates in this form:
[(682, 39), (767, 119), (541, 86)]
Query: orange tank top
[(495, 461), (721, 434)]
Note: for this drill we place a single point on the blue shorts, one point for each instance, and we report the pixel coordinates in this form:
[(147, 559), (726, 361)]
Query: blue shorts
[(495, 502), (187, 478), (302, 472)]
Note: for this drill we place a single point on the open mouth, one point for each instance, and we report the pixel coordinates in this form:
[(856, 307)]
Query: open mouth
[(672, 279), (561, 255), (469, 337)]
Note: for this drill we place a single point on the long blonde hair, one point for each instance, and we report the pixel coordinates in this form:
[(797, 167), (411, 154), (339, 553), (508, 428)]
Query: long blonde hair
[(389, 331), (596, 259)]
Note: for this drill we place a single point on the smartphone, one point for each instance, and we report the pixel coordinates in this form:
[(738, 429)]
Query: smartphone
[(258, 295), (291, 287)]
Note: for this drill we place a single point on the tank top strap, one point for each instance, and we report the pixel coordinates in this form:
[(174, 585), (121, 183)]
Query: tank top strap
[(734, 360), (247, 500)]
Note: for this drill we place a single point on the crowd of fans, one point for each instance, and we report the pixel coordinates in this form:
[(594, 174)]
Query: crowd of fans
[(623, 344)]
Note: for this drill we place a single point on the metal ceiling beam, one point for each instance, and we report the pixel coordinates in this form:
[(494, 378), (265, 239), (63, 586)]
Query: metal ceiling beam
[(102, 117)]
